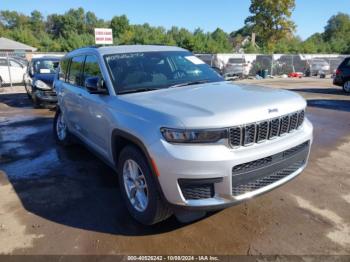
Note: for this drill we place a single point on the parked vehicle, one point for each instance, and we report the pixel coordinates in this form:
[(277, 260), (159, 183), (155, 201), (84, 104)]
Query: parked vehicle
[(319, 66), (181, 139), (39, 80), (342, 75), (237, 67), (17, 71)]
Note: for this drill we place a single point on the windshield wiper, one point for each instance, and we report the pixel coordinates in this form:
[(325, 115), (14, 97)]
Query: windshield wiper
[(190, 83), (137, 90)]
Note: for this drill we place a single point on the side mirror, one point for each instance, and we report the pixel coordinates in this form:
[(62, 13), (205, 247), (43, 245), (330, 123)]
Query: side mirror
[(95, 85)]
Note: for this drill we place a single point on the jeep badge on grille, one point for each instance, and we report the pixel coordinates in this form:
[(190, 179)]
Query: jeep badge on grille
[(273, 110)]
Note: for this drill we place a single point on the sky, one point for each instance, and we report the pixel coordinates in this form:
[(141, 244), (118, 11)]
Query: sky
[(310, 16)]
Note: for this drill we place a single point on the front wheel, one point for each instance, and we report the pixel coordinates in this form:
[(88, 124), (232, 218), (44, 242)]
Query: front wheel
[(139, 189), (346, 87), (60, 130)]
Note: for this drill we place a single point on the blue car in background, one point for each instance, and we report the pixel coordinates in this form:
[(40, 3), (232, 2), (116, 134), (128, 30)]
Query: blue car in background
[(39, 80)]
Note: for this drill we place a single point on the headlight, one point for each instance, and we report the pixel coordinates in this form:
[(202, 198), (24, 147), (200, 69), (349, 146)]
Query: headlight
[(41, 85), (193, 136)]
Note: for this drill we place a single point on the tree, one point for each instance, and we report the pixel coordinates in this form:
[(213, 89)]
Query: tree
[(337, 33), (271, 21), (36, 21), (119, 25)]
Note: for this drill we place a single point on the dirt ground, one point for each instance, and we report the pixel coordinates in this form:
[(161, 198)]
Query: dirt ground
[(65, 201)]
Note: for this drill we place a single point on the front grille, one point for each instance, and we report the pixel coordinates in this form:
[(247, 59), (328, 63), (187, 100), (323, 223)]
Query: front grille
[(267, 180), (263, 131), (249, 134), (269, 129)]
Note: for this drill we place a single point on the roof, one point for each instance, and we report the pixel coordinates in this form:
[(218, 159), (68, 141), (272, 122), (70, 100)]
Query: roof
[(57, 58), (128, 49), (8, 44)]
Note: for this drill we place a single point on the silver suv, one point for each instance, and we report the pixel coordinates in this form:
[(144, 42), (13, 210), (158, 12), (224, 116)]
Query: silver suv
[(181, 139)]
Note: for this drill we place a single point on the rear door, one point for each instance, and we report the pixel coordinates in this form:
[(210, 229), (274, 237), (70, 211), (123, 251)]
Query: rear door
[(70, 95)]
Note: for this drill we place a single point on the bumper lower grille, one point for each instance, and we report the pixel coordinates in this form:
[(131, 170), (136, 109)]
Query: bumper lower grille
[(198, 188), (265, 181), (258, 132), (259, 173)]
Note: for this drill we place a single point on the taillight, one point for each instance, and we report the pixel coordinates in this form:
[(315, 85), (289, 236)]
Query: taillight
[(338, 72)]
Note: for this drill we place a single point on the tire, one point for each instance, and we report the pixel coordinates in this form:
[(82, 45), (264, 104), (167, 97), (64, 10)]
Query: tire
[(28, 94), (346, 87), (155, 209), (36, 101), (66, 139)]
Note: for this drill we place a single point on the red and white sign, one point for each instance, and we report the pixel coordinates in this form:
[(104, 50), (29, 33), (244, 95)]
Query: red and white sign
[(103, 36)]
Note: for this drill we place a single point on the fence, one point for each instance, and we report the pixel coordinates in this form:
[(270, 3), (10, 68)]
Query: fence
[(275, 65)]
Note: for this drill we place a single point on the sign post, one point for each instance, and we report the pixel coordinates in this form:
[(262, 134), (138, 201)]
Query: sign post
[(103, 36)]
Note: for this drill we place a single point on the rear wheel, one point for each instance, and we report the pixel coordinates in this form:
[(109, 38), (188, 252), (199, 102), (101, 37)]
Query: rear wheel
[(346, 87), (60, 129), (139, 189)]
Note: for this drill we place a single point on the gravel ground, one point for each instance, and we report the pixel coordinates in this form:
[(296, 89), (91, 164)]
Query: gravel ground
[(65, 201)]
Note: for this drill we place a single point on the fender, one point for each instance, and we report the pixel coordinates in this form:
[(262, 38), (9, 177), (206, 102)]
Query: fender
[(120, 133)]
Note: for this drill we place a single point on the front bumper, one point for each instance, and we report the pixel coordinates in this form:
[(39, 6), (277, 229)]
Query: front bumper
[(206, 162), (48, 96)]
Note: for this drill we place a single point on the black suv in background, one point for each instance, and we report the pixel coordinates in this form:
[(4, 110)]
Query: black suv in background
[(342, 75), (39, 79)]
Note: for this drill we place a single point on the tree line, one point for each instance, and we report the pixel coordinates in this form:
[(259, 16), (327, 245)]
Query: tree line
[(271, 24)]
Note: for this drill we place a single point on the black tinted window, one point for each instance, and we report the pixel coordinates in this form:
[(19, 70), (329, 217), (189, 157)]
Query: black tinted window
[(75, 72), (347, 62), (91, 68), (63, 69), (3, 62)]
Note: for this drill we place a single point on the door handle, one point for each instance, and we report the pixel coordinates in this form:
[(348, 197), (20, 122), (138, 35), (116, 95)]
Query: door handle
[(80, 95)]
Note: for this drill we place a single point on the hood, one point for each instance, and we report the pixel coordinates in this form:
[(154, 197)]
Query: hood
[(219, 104), (46, 78)]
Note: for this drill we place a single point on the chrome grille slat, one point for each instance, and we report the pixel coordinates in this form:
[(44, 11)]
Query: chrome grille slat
[(261, 131)]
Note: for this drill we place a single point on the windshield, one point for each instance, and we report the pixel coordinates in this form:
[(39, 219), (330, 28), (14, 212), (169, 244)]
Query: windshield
[(145, 71), (45, 66)]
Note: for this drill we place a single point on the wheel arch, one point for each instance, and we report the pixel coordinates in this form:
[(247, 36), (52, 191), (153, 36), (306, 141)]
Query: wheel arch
[(120, 139)]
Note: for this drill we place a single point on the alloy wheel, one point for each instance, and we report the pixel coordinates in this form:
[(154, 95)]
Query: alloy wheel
[(135, 185), (61, 128)]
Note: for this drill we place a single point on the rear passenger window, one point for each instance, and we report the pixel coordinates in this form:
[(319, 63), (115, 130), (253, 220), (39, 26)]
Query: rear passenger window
[(63, 69), (347, 63), (91, 68), (3, 62), (75, 71)]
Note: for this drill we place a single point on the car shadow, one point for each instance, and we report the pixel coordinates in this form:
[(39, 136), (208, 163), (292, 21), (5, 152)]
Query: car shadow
[(69, 186), (15, 100), (340, 105)]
